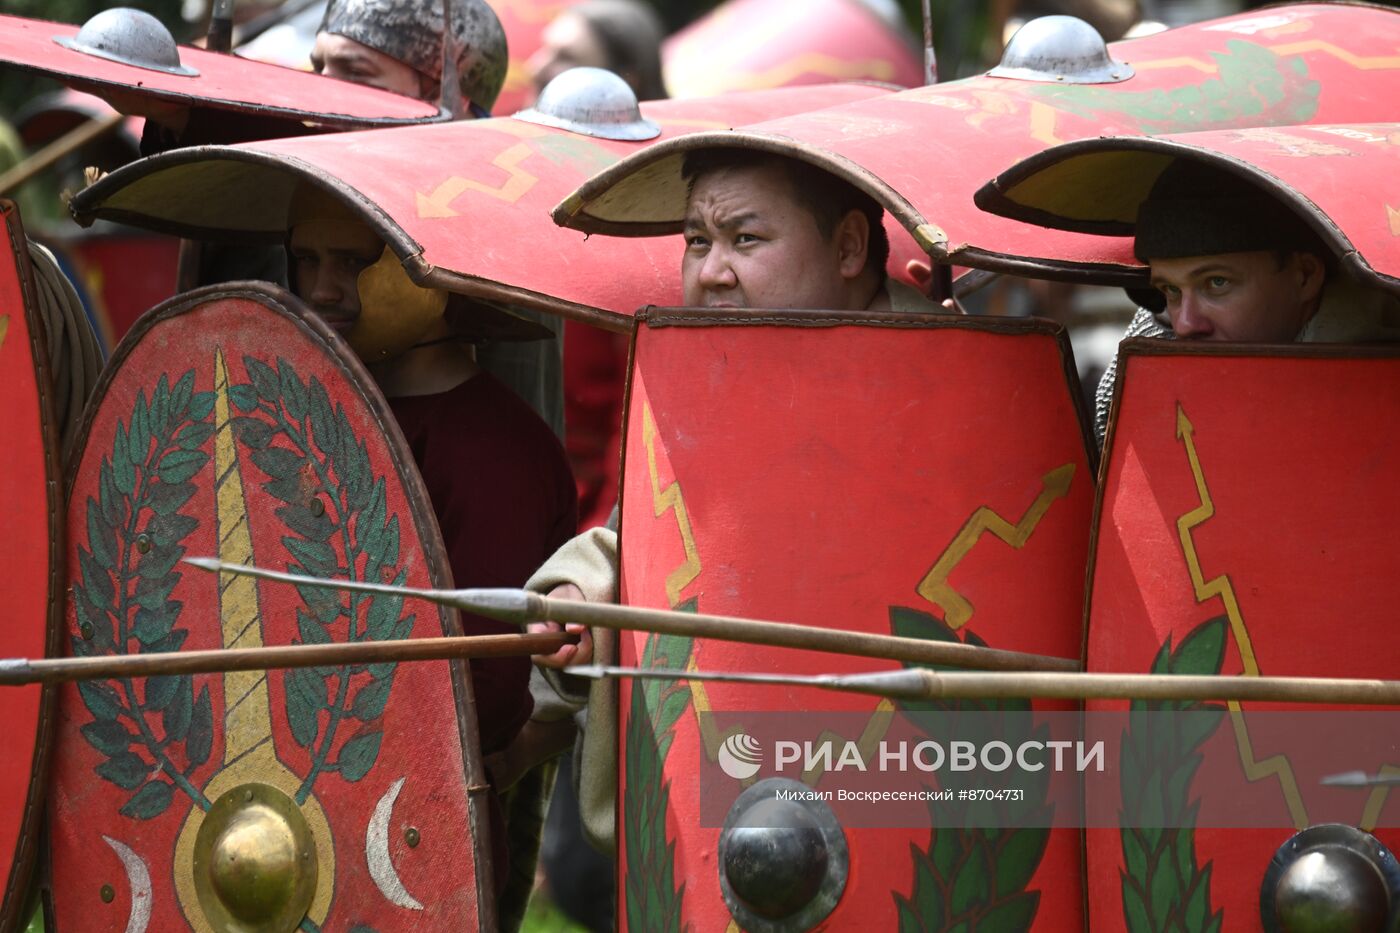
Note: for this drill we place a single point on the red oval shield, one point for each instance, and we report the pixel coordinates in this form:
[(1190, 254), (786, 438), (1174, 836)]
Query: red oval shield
[(31, 552), (744, 45), (807, 466), (232, 422)]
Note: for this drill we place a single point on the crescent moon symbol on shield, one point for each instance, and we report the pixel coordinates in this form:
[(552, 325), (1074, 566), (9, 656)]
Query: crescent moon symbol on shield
[(381, 869), (140, 880)]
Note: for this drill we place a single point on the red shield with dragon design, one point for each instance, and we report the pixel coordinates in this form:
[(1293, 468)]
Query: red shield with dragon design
[(803, 466), (233, 422), (31, 553), (1245, 527)]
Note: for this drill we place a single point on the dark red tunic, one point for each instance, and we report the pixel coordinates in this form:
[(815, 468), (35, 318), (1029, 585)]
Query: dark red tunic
[(504, 498)]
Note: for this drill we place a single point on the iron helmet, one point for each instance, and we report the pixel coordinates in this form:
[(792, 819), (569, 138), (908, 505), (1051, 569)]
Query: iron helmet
[(411, 31), (1063, 49), (592, 102), (132, 37)]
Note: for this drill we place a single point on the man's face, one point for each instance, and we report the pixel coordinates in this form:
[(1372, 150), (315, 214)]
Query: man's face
[(1242, 297), (338, 57), (750, 244), (567, 42), (327, 259)]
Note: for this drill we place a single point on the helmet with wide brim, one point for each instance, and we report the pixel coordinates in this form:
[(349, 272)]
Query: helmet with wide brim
[(1335, 177)]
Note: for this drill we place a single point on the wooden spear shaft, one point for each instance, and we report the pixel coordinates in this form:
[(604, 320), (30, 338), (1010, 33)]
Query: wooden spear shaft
[(74, 139), (521, 606), (919, 684), (15, 672)]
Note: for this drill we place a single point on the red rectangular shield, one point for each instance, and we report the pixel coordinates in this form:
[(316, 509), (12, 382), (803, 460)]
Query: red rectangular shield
[(925, 475)]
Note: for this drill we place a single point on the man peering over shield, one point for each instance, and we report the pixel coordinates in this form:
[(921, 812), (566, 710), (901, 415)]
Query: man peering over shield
[(495, 474), (1230, 262), (761, 230), (398, 46)]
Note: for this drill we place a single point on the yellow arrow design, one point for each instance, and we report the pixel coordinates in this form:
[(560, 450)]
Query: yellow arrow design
[(4, 328), (517, 183), (935, 586), (1254, 769)]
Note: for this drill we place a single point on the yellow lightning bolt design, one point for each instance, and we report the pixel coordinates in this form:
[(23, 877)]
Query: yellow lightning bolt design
[(935, 586), (1359, 62), (1277, 765), (517, 183), (669, 499)]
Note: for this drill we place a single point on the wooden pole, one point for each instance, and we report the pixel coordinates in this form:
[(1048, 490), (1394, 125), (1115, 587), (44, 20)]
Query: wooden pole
[(70, 141), (521, 606), (16, 672), (930, 56), (920, 684)]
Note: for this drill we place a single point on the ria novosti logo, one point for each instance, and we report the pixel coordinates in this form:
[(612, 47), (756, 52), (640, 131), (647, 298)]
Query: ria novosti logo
[(740, 756)]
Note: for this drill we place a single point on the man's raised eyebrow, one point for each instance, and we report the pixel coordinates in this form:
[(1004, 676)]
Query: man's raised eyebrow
[(737, 220)]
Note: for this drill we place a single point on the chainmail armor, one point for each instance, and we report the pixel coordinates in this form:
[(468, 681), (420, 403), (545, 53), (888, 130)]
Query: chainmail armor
[(1143, 324)]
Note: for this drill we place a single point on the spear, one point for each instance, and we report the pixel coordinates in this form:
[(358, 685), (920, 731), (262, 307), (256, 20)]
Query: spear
[(220, 38), (921, 684), (522, 606), (1361, 779), (16, 672)]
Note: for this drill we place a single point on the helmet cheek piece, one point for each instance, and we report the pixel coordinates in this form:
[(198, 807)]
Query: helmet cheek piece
[(395, 313)]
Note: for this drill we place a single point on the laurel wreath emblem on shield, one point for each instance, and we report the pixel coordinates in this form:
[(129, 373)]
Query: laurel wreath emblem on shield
[(1163, 887), (973, 878), (128, 571), (653, 897), (154, 737), (334, 509)]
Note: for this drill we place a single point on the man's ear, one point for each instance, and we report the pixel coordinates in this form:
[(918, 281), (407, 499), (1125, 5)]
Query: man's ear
[(1311, 272), (852, 243)]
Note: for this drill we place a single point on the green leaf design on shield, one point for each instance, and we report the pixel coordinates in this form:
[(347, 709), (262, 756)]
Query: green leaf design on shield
[(975, 878), (1163, 887), (334, 509), (152, 733), (653, 899)]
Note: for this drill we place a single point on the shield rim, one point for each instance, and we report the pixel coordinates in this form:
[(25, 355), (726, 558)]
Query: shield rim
[(993, 197), (292, 309), (13, 899)]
